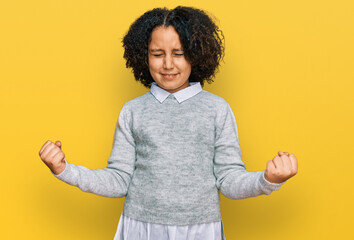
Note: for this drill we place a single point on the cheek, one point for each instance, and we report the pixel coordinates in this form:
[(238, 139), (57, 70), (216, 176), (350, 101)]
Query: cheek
[(186, 67), (154, 65), (189, 68), (183, 62)]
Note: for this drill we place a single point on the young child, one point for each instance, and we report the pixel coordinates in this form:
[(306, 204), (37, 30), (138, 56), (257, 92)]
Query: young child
[(176, 145)]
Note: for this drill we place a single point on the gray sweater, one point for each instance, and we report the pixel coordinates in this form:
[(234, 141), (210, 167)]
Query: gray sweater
[(170, 158)]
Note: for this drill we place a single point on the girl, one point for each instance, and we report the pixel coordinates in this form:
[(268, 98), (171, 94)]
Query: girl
[(176, 145)]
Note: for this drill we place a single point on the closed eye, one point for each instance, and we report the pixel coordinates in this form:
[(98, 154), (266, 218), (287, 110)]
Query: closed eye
[(158, 55)]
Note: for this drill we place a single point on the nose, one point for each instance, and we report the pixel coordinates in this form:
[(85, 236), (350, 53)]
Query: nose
[(168, 62)]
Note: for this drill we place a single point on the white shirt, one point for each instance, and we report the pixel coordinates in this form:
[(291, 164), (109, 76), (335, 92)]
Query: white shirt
[(131, 229)]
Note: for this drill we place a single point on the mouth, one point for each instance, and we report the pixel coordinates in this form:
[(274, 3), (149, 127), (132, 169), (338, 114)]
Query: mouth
[(169, 76)]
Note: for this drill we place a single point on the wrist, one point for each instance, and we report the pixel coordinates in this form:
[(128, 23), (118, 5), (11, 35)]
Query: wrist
[(59, 169), (272, 180)]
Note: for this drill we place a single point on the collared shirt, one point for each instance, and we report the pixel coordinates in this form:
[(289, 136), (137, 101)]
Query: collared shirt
[(133, 229), (157, 197), (181, 95)]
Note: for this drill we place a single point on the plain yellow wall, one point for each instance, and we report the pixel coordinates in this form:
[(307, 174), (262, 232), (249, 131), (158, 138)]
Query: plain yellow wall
[(287, 74)]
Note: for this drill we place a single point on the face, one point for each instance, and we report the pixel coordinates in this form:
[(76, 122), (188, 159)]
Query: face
[(167, 64)]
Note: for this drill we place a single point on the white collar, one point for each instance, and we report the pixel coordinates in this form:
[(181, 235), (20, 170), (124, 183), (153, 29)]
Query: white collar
[(181, 95)]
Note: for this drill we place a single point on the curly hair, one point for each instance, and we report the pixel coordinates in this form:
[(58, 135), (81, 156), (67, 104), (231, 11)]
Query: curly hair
[(201, 39)]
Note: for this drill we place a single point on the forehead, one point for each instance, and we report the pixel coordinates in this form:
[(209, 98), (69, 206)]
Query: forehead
[(164, 37)]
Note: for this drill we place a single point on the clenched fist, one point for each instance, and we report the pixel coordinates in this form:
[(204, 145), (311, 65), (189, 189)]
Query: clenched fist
[(281, 168), (52, 155)]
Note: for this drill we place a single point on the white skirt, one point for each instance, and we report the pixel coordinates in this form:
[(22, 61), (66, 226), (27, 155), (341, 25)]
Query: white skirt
[(131, 229)]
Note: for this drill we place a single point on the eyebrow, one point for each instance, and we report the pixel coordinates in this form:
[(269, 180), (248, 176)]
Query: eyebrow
[(161, 50)]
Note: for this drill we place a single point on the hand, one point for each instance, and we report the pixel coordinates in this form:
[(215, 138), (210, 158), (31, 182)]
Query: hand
[(281, 168), (52, 155)]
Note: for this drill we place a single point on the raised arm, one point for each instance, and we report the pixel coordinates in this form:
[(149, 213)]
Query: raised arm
[(232, 178), (114, 180)]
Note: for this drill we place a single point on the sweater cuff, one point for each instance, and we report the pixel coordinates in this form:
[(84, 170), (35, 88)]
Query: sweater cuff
[(64, 173), (269, 185)]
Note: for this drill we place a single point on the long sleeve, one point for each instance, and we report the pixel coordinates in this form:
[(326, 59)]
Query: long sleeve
[(232, 178), (112, 181)]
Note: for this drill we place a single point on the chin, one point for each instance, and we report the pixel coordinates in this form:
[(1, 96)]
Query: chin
[(169, 84)]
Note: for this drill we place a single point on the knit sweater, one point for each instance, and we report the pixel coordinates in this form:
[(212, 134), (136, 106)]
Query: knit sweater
[(170, 158)]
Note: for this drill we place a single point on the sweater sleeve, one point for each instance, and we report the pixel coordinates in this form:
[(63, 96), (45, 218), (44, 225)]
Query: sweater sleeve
[(232, 178), (112, 181)]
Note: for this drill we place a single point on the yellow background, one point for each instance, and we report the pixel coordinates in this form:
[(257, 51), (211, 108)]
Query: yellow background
[(287, 74)]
